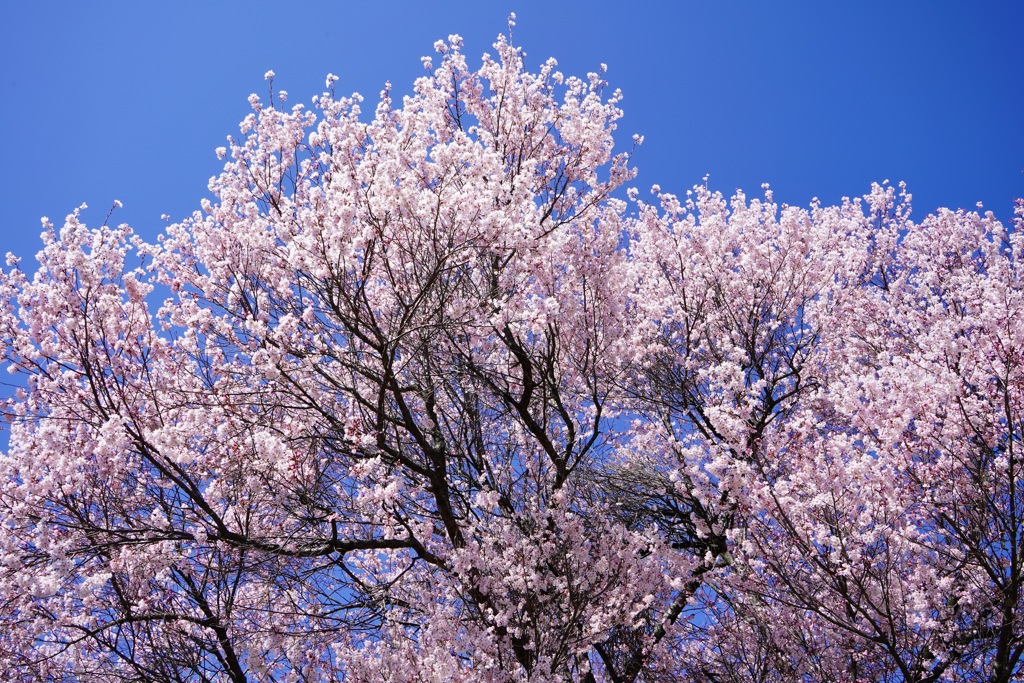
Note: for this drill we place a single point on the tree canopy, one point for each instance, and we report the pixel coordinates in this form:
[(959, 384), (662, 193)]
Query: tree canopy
[(433, 395)]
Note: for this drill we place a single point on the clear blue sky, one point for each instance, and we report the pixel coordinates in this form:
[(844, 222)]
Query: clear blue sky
[(127, 100)]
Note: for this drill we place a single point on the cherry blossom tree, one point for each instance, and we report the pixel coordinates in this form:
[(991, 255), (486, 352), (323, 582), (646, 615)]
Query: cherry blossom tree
[(833, 406), (427, 399)]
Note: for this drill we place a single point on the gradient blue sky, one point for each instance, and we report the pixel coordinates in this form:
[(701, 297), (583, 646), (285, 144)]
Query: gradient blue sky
[(127, 100)]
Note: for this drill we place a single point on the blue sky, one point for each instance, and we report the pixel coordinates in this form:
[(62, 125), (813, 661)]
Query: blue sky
[(127, 100)]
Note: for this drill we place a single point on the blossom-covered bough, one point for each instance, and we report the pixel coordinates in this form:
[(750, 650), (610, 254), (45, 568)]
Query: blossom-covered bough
[(429, 401)]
